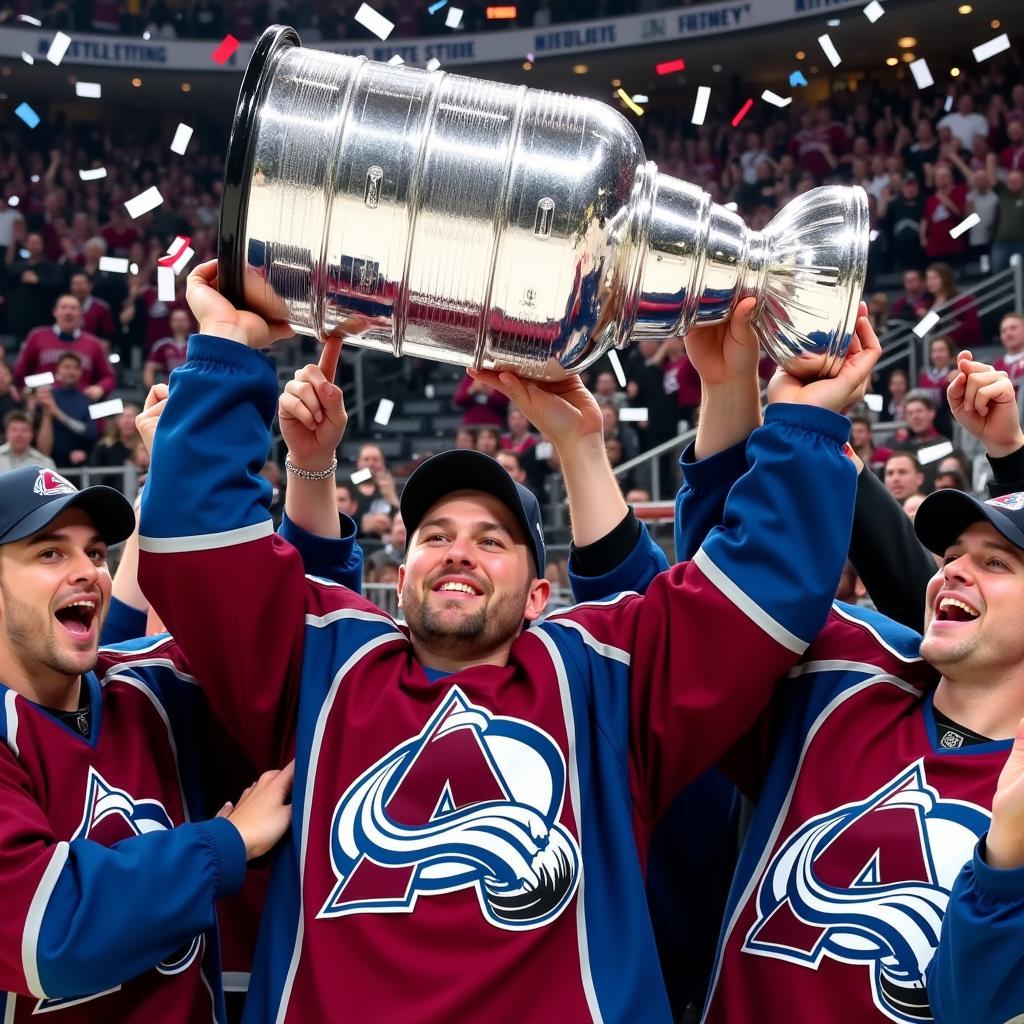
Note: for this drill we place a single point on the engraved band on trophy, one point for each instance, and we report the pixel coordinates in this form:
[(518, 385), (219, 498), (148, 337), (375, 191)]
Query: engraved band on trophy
[(481, 224)]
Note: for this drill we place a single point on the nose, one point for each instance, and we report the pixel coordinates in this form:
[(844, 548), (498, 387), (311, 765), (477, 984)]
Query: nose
[(460, 551), (82, 569), (959, 569)]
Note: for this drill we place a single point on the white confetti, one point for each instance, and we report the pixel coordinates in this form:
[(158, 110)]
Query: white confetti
[(395, 60), (873, 11), (829, 49), (921, 72), (29, 20), (92, 173), (113, 358), (875, 402), (543, 450), (376, 23), (27, 57), (620, 376), (59, 46), (144, 202), (934, 452), (360, 476), (433, 64), (633, 414), (872, 235), (948, 105), (89, 90), (700, 107), (453, 19), (182, 135), (38, 380), (926, 323), (183, 260), (114, 264), (165, 284), (111, 407), (428, 391), (384, 411), (965, 225), (775, 99), (133, 268), (992, 47), (641, 97)]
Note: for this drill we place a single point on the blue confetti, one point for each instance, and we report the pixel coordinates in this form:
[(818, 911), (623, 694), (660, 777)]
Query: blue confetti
[(797, 78), (435, 7), (27, 114)]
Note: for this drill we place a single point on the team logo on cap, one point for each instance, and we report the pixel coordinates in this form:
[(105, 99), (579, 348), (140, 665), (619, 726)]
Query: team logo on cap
[(49, 483), (1011, 502)]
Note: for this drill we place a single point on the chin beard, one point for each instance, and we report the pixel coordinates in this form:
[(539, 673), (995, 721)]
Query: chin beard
[(494, 624)]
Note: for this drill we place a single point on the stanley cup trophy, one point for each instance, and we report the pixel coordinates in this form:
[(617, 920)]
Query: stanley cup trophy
[(496, 226)]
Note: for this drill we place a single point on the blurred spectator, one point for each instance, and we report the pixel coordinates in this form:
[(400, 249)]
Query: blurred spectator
[(105, 285), (97, 318), (616, 456), (902, 216), (44, 346), (118, 444), (862, 441), (903, 477), (912, 504), (344, 494), (64, 429), (919, 412), (1011, 157), (915, 301), (120, 234), (941, 283), (613, 427), (392, 554), (644, 368), (518, 439), (464, 438), (679, 379), (1009, 239), (376, 498), (898, 386), (965, 122), (878, 312), (950, 478), (10, 218), (606, 386), (943, 210), (1011, 336), (32, 286), (920, 155), (513, 465), (482, 405), (488, 440), (17, 448), (936, 376), (168, 353), (983, 201), (8, 400)]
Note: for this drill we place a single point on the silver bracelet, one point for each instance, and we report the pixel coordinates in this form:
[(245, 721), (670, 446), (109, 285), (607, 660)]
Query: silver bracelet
[(309, 474)]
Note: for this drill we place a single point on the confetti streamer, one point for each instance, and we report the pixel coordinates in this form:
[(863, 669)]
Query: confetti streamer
[(453, 19), (633, 414), (874, 402), (873, 11), (620, 376), (965, 225), (921, 72), (700, 108), (38, 380), (164, 284), (174, 250), (374, 22), (225, 50), (992, 47), (926, 323), (144, 202), (114, 264), (384, 411), (183, 260), (435, 7), (27, 114), (59, 46), (92, 173), (796, 78), (934, 452), (742, 113), (89, 90), (670, 67), (111, 407), (775, 99), (29, 20), (433, 64), (182, 136), (628, 100), (830, 51), (360, 476)]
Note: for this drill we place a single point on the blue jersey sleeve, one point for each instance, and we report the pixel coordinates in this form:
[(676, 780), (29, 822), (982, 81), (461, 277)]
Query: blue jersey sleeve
[(123, 622), (339, 560), (977, 974), (700, 503)]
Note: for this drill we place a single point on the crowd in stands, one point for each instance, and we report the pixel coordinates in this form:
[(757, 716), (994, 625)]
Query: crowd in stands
[(926, 162), (315, 19)]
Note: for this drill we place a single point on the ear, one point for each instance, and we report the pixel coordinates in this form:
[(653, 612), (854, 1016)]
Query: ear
[(401, 582), (537, 600)]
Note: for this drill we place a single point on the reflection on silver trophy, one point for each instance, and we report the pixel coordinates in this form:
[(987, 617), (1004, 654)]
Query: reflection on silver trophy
[(433, 215)]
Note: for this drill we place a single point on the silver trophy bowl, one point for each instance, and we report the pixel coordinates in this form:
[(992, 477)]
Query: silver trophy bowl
[(496, 226)]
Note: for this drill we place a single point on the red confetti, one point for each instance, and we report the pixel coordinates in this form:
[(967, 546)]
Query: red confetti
[(172, 257), (742, 112), (227, 47), (670, 67)]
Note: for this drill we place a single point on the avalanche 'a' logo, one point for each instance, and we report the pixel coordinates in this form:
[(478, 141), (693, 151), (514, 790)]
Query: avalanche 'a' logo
[(868, 884), (109, 816), (473, 801)]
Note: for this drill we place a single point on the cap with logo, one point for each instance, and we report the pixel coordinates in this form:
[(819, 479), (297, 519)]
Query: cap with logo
[(465, 470), (31, 497), (944, 515)]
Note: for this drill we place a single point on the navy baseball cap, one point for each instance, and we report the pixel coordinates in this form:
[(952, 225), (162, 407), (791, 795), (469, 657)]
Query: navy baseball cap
[(464, 470), (944, 515), (33, 496)]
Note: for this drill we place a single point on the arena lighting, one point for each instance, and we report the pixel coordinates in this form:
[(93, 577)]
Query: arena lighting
[(503, 13), (136, 82), (186, 87), (994, 23), (906, 42), (527, 66), (909, 57), (954, 72), (616, 82), (580, 69), (964, 9), (800, 54), (892, 61)]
